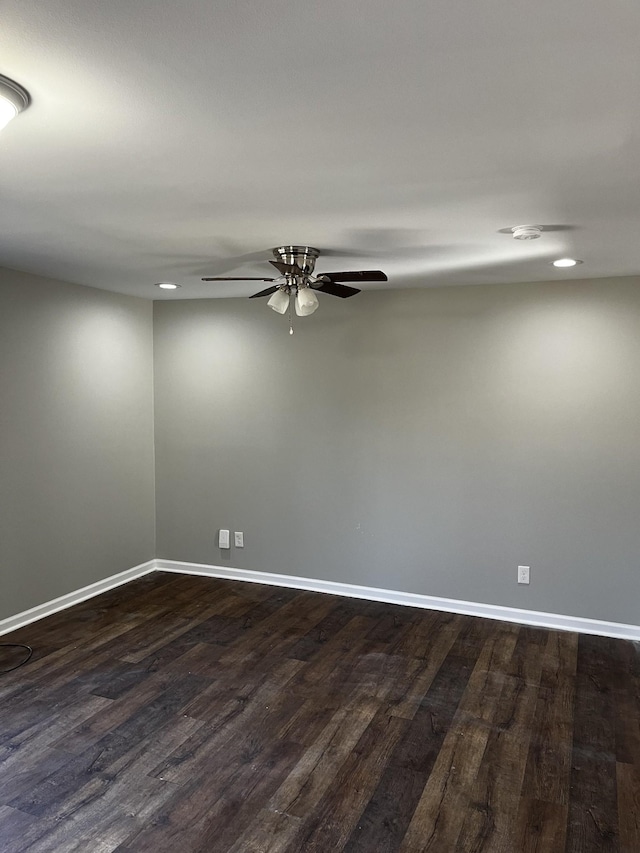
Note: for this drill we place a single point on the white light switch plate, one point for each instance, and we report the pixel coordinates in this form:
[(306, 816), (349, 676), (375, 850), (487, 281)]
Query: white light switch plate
[(223, 539)]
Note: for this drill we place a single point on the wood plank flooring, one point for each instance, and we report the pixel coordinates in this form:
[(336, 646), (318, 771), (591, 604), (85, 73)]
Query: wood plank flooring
[(189, 714)]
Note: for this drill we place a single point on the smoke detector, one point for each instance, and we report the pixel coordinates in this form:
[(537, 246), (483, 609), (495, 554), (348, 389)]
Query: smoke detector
[(526, 232)]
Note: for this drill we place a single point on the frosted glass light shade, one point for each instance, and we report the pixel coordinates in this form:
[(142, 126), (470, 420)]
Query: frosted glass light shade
[(279, 301), (306, 302)]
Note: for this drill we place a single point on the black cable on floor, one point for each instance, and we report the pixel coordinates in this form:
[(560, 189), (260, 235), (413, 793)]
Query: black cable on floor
[(16, 646)]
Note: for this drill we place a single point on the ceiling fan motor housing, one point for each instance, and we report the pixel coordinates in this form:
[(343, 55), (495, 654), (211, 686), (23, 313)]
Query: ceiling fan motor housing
[(304, 257)]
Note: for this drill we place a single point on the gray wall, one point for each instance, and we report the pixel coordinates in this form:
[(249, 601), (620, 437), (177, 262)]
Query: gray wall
[(425, 440), (76, 437)]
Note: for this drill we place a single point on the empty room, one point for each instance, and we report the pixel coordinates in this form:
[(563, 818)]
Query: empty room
[(319, 427)]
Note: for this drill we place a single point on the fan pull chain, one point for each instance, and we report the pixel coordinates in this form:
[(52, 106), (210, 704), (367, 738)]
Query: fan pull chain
[(290, 319)]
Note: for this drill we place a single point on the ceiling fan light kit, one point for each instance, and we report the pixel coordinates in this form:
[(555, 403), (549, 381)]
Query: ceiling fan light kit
[(13, 99)]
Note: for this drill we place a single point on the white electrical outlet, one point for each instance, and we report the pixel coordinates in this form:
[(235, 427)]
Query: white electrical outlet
[(238, 537), (223, 539), (523, 574)]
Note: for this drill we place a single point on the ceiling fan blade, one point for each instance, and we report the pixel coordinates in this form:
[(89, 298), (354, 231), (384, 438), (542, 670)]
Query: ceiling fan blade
[(335, 289), (357, 275), (292, 269), (244, 278), (266, 292)]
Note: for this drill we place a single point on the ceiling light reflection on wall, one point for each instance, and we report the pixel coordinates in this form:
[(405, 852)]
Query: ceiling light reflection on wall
[(566, 262), (13, 99)]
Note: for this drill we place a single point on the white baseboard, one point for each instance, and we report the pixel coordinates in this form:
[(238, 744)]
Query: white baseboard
[(71, 598), (429, 602), (409, 599)]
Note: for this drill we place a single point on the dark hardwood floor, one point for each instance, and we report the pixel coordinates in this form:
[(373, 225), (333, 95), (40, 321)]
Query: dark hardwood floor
[(189, 714)]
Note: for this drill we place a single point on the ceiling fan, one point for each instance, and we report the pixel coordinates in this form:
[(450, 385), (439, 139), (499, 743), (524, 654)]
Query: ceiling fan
[(296, 267)]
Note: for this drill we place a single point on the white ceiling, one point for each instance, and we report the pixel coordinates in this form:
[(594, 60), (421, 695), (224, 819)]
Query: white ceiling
[(167, 140)]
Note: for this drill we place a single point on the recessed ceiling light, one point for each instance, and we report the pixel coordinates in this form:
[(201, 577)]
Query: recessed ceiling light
[(566, 262), (13, 99), (168, 285)]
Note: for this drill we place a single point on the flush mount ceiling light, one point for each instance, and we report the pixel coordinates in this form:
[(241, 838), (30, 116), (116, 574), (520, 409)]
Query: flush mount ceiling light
[(566, 262), (13, 99), (168, 285), (526, 232)]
